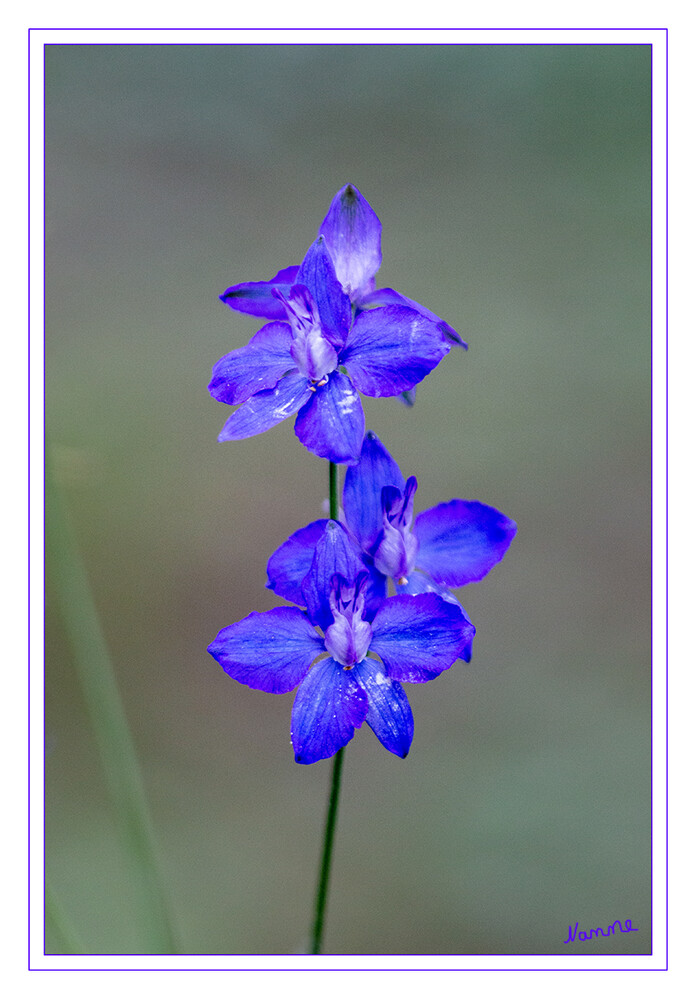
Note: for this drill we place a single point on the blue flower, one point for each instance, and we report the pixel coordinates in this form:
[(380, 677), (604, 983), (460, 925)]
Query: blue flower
[(315, 362), (450, 545), (353, 236), (352, 673)]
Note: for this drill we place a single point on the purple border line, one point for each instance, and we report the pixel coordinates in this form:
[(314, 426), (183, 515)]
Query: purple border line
[(29, 507), (666, 483), (256, 967), (372, 28), (651, 739)]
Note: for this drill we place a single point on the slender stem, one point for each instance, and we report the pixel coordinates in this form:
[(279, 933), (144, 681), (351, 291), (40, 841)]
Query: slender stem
[(325, 867), (333, 491), (332, 808)]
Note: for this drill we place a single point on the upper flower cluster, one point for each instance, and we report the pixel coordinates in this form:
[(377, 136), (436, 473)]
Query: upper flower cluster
[(333, 335)]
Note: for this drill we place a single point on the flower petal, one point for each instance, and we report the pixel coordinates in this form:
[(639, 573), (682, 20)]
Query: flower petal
[(418, 637), (390, 350), (353, 235), (334, 554), (389, 714), (265, 409), (387, 296), (271, 651), (362, 489), (311, 350), (251, 369), (328, 707), (462, 540), (421, 582), (317, 274), (290, 563), (331, 424), (256, 297), (395, 549)]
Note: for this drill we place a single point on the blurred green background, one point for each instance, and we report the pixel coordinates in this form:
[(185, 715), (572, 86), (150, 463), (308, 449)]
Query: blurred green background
[(513, 184)]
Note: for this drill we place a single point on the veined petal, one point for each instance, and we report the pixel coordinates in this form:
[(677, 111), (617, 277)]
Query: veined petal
[(271, 651), (334, 554), (353, 235), (251, 369), (387, 296), (329, 706), (256, 297), (290, 563), (389, 714), (265, 409), (331, 424), (420, 582), (317, 274), (362, 489), (462, 540), (418, 637), (390, 350)]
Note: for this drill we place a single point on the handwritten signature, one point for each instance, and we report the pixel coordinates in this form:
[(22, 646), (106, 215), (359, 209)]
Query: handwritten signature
[(573, 933)]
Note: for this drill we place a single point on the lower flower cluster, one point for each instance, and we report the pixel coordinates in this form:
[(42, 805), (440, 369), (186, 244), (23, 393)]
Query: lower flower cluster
[(348, 644)]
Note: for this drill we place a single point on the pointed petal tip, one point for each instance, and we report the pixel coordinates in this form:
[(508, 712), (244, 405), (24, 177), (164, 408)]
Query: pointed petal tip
[(451, 335)]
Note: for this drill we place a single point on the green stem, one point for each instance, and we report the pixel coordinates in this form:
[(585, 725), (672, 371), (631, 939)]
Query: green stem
[(333, 491), (332, 808), (325, 867), (103, 701)]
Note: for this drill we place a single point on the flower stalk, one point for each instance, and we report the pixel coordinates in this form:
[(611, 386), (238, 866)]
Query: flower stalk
[(346, 644), (332, 807), (326, 854), (325, 866)]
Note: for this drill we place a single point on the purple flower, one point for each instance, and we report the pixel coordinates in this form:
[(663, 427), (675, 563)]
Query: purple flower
[(353, 236), (450, 545), (353, 672), (315, 362)]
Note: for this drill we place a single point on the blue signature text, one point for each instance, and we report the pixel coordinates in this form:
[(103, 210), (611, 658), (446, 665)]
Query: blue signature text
[(574, 934)]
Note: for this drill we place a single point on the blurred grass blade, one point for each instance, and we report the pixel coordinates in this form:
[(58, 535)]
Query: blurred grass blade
[(60, 926), (102, 699)]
